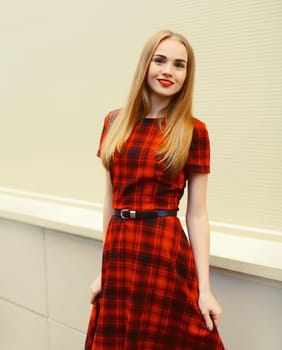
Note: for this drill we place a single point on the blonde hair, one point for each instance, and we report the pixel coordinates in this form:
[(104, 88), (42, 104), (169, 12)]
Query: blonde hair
[(177, 133)]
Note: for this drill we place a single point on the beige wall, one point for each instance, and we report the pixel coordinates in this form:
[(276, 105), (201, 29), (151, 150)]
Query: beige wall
[(65, 64)]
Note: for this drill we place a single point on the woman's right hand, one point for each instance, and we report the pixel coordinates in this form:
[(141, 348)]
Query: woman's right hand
[(95, 288)]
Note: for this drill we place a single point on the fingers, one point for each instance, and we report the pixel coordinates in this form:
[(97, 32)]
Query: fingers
[(93, 293), (212, 319), (208, 321), (95, 289), (216, 318), (210, 310), (93, 296)]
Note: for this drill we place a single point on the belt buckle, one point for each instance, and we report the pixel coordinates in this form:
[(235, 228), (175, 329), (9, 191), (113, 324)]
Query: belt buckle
[(127, 214)]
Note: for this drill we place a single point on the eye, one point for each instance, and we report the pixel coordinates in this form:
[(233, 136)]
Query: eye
[(158, 60), (180, 65)]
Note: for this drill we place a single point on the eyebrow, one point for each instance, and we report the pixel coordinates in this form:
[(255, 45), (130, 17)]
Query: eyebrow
[(163, 56)]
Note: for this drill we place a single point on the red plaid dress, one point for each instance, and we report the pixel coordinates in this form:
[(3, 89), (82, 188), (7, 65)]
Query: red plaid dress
[(149, 297)]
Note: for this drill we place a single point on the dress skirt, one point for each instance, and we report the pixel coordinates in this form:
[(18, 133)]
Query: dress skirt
[(149, 291)]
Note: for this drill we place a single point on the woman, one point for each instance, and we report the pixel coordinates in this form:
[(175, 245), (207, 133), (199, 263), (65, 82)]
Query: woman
[(154, 292)]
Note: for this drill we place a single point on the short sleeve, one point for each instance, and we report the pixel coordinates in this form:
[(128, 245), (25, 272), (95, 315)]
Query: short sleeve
[(107, 123), (199, 153)]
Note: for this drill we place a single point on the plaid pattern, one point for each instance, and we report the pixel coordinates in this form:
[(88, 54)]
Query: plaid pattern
[(149, 297)]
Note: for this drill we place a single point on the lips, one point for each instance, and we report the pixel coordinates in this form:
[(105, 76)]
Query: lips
[(165, 82)]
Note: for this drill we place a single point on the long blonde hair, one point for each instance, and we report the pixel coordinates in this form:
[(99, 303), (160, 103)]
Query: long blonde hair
[(177, 133)]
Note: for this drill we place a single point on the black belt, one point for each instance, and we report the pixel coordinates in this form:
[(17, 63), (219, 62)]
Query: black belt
[(142, 214)]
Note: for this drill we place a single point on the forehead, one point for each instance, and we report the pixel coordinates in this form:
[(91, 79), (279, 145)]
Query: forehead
[(172, 48)]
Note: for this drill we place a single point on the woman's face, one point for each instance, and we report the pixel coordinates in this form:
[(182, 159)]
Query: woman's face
[(167, 70)]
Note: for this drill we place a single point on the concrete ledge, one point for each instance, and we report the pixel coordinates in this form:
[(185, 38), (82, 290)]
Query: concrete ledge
[(247, 250)]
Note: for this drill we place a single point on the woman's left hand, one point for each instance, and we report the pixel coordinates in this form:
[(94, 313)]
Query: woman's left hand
[(210, 309)]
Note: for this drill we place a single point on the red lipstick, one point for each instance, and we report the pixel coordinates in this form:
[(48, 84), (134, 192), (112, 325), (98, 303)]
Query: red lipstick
[(165, 82)]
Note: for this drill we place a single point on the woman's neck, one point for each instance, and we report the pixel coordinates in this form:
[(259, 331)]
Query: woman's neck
[(157, 106)]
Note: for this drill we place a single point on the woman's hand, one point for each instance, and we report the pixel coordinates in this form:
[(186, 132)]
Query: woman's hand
[(210, 309), (95, 288)]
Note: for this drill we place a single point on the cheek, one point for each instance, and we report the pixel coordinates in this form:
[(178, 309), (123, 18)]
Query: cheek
[(151, 77), (182, 78), (149, 74)]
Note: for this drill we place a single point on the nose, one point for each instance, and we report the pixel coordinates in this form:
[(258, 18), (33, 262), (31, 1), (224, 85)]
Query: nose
[(167, 69)]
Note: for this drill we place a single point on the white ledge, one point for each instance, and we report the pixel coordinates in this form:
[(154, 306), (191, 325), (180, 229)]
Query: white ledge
[(243, 249), (62, 214)]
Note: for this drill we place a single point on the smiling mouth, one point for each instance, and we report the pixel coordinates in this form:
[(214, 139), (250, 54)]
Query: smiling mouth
[(165, 82)]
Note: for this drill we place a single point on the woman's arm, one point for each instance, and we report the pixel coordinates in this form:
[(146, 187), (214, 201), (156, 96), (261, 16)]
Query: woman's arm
[(107, 214), (108, 204), (199, 235)]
